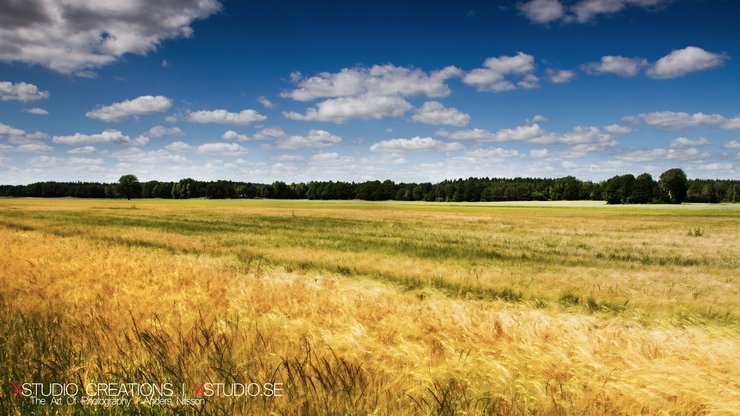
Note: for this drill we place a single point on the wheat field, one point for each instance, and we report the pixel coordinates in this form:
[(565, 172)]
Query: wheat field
[(375, 308)]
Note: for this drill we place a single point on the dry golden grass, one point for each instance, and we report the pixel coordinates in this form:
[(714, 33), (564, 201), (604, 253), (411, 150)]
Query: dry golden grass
[(91, 293)]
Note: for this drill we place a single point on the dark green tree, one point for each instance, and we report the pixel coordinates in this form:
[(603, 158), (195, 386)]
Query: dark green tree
[(674, 185), (643, 190), (129, 186)]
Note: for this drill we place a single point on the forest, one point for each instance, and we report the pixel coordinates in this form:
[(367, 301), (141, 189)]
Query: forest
[(671, 187)]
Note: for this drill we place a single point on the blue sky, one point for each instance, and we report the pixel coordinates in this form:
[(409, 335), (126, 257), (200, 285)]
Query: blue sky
[(417, 91)]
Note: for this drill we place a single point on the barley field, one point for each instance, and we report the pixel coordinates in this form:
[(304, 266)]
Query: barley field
[(375, 308)]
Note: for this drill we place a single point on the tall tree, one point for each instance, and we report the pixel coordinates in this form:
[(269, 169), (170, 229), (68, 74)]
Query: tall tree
[(129, 186), (674, 185)]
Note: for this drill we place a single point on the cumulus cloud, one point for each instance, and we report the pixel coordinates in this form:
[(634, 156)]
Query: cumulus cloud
[(19, 136), (562, 76), (265, 102), (734, 144), (82, 150), (140, 157), (618, 65), (243, 117), (20, 91), (107, 136), (493, 76), (143, 105), (269, 133), (683, 61), (677, 63), (416, 143), (314, 138), (492, 153), (680, 120), (685, 141), (179, 146), (37, 111), (232, 135), (654, 154), (581, 140), (542, 11), (434, 112), (73, 37), (582, 11), (366, 93), (378, 80), (716, 166), (162, 131), (221, 148), (530, 133), (33, 147), (324, 156), (539, 153), (617, 129), (339, 110)]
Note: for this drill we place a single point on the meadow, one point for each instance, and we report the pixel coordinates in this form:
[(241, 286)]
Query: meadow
[(376, 308)]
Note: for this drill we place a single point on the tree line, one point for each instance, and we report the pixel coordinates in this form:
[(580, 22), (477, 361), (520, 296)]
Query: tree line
[(671, 187)]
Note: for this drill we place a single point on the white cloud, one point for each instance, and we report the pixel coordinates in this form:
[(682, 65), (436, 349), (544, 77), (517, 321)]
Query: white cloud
[(76, 36), (685, 141), (179, 147), (654, 154), (19, 136), (21, 91), (378, 80), (492, 153), (582, 140), (265, 102), (324, 156), (682, 120), (339, 110), (618, 65), (366, 93), (618, 129), (716, 166), (37, 111), (735, 144), (416, 143), (585, 10), (162, 131), (74, 163), (530, 133), (221, 148), (561, 76), (107, 136), (138, 157), (677, 63), (314, 138), (33, 147), (683, 61), (539, 153), (493, 76), (538, 118), (82, 150), (433, 112), (269, 133), (243, 117), (232, 135), (9, 131), (542, 11), (143, 105), (288, 158)]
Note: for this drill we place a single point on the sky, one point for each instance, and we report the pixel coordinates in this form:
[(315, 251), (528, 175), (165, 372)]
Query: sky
[(365, 90)]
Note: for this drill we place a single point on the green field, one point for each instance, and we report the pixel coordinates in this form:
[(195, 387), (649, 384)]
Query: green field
[(375, 307)]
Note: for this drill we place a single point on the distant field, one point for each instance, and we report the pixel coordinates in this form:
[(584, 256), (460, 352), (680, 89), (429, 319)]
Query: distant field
[(375, 307)]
